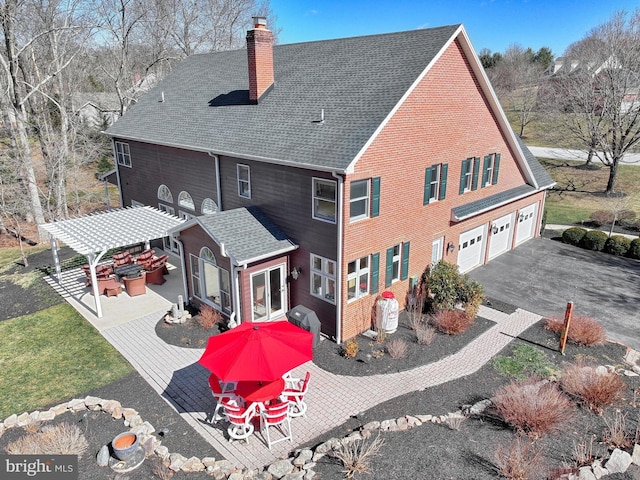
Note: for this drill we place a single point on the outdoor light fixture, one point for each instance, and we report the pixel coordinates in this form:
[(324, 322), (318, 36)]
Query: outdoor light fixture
[(494, 230), (521, 217), (451, 247), (295, 273)]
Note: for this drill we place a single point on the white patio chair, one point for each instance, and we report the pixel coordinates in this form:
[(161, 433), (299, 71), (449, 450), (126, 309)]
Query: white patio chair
[(276, 416), (295, 397)]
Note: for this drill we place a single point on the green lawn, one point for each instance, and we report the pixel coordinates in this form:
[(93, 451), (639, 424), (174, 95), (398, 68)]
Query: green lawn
[(51, 356)]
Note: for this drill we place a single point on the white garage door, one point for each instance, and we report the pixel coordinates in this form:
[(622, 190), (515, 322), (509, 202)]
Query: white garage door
[(500, 235), (471, 249), (526, 223)]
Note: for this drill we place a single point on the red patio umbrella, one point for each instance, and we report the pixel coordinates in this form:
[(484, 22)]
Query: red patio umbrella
[(257, 351)]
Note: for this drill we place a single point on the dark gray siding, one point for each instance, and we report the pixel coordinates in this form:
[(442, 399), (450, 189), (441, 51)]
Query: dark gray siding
[(153, 165)]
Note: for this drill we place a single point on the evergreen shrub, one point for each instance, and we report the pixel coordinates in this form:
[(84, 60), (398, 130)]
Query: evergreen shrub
[(573, 235), (594, 240)]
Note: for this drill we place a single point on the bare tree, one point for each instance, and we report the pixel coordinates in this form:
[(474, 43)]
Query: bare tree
[(597, 101)]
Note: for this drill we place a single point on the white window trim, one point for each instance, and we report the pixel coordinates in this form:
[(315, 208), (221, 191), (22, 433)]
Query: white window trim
[(166, 208), (122, 154), (335, 201), (209, 206), (325, 276), (200, 279), (164, 194), (185, 200), (397, 259), (357, 274), (366, 197), (434, 193), (490, 169), (468, 180), (242, 181)]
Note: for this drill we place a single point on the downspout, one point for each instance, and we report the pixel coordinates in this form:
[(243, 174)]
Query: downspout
[(185, 286), (236, 286), (339, 258), (218, 193)]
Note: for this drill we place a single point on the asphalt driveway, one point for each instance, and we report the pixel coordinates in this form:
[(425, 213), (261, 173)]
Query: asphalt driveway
[(542, 275)]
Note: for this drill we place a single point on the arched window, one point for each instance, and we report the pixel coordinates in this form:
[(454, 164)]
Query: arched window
[(185, 200), (207, 255), (209, 206), (210, 282), (164, 194)]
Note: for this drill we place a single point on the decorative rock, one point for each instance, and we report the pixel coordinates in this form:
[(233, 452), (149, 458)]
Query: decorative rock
[(134, 421), (224, 466), (76, 405), (424, 418), (23, 419), (598, 470), (294, 476), (280, 468), (193, 464), (59, 409), (478, 408), (110, 405), (34, 416), (317, 456), (375, 425), (90, 401), (11, 421), (303, 457), (264, 476), (236, 476), (309, 475), (618, 462), (145, 428), (413, 421), (128, 413), (308, 465), (102, 458), (162, 452), (629, 373), (386, 425), (148, 443), (402, 424), (206, 461), (177, 461), (586, 474), (635, 456), (636, 369), (48, 415), (117, 413)]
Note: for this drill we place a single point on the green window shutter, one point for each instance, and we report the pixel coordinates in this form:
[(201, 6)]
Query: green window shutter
[(427, 186), (485, 167), (404, 272), (496, 167), (463, 175), (443, 182), (476, 170), (388, 278), (375, 197), (375, 267)]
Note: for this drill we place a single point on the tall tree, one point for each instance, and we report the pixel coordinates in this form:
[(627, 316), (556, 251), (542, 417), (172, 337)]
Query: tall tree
[(598, 101)]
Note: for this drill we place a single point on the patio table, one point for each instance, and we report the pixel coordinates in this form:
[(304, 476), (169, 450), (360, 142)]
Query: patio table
[(130, 270), (259, 393)]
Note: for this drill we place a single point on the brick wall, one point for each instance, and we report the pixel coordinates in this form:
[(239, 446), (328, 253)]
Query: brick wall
[(446, 119)]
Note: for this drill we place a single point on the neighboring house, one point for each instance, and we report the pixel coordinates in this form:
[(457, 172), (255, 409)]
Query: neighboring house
[(95, 110), (323, 173)]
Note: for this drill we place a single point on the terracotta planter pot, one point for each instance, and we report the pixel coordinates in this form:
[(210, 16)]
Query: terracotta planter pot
[(125, 445)]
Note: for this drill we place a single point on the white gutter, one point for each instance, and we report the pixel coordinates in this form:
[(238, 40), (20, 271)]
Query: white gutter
[(235, 272), (335, 175), (270, 254), (185, 287), (493, 207)]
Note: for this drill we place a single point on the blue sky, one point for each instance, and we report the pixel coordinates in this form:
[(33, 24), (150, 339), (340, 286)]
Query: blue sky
[(492, 24)]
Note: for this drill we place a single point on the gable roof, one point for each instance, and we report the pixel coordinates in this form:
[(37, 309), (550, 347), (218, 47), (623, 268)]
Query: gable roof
[(356, 81), (244, 234)]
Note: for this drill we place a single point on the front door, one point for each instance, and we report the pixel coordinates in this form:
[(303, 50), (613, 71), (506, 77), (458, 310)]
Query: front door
[(268, 294), (436, 250)]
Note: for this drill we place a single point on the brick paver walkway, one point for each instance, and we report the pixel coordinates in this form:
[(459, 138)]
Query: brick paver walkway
[(173, 372)]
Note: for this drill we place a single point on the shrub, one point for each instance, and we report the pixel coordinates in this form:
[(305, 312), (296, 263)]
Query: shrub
[(634, 249), (425, 334), (521, 459), (451, 322), (582, 330), (627, 218), (617, 245), (601, 217), (356, 456), (594, 240), (573, 235), (397, 348), (533, 407), (351, 348), (596, 390), (615, 434), (447, 288), (61, 439), (208, 317)]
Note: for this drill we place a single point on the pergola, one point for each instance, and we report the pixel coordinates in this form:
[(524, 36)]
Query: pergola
[(93, 235)]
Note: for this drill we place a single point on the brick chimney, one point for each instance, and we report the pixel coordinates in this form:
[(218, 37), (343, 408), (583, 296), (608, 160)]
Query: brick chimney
[(260, 56)]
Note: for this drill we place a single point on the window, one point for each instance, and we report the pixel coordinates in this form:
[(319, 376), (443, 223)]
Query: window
[(164, 194), (393, 265), (435, 183), (359, 203), (490, 169), (185, 215), (324, 200), (166, 208), (244, 181), (210, 282), (469, 175), (358, 278), (323, 278), (123, 156), (185, 201), (209, 206)]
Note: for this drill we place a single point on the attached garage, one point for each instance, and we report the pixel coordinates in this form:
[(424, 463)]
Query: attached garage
[(500, 235), (471, 248), (526, 223)]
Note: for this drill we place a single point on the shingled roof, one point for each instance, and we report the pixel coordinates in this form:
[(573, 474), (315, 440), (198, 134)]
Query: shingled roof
[(355, 81)]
